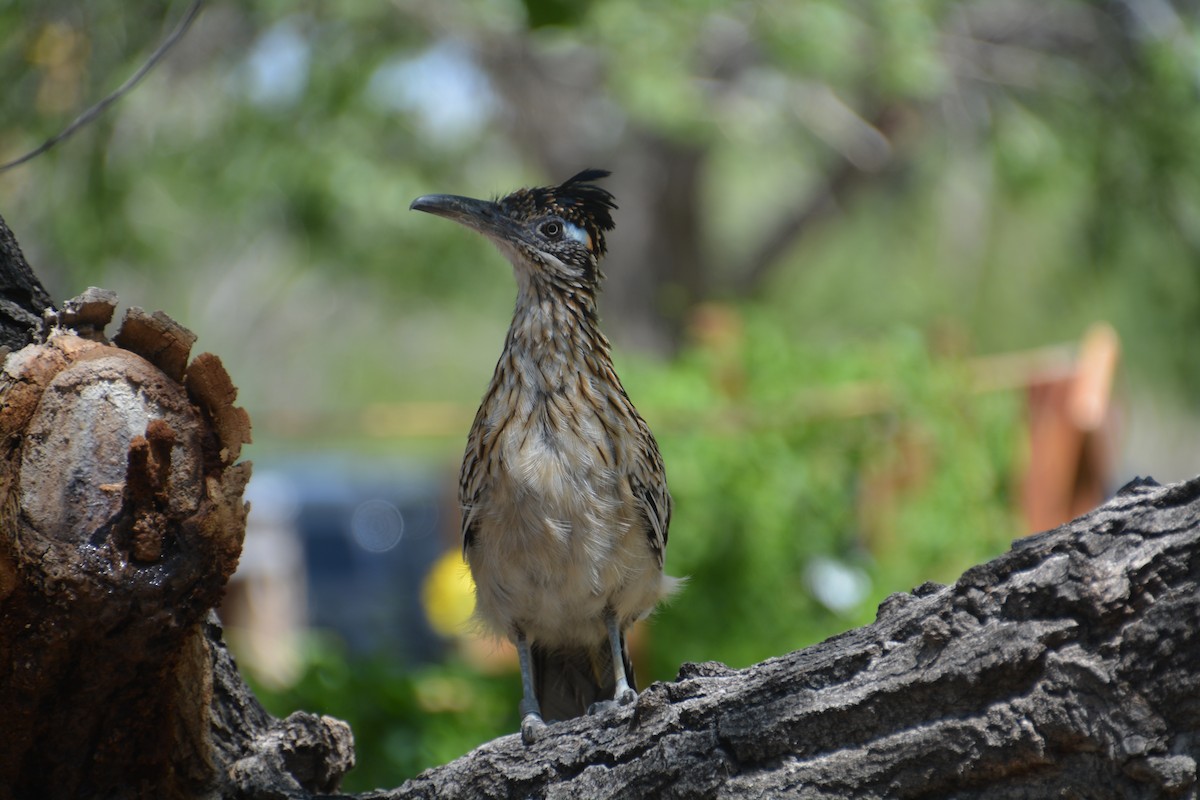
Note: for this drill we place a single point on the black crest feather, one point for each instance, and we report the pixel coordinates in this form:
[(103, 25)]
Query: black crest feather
[(577, 200)]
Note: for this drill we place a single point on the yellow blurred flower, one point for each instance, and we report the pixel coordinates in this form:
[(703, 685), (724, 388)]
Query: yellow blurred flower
[(448, 595)]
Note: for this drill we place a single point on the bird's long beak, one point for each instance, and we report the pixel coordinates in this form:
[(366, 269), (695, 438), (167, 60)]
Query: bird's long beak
[(480, 215)]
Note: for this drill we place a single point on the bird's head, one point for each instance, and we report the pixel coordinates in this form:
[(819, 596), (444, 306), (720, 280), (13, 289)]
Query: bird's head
[(553, 232)]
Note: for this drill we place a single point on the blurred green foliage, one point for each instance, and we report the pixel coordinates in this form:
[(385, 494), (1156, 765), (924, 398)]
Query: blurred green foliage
[(404, 720), (781, 457), (773, 475), (1042, 174), (1020, 169)]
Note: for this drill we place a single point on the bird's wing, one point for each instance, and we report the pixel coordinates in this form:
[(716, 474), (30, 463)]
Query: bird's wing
[(648, 481), (471, 477)]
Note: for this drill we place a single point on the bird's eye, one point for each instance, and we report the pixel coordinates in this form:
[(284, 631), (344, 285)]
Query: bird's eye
[(552, 229)]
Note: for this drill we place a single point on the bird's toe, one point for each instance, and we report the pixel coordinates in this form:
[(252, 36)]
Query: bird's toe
[(532, 728)]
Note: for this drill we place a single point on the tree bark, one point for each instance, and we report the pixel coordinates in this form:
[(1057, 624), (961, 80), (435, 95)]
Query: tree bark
[(121, 519), (22, 296), (1067, 667)]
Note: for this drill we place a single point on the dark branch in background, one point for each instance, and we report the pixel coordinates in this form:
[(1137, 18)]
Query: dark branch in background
[(100, 107), (817, 206), (822, 203), (847, 175)]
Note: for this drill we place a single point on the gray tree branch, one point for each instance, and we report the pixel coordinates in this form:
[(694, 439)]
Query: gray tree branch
[(1065, 668)]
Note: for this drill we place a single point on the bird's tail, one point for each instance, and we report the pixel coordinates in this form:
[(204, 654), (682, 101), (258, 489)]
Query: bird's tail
[(568, 681)]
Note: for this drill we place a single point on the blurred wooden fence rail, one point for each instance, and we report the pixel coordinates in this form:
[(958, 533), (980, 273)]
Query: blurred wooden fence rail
[(1071, 412)]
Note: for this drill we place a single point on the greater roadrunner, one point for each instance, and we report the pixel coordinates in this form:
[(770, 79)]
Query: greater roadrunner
[(564, 499)]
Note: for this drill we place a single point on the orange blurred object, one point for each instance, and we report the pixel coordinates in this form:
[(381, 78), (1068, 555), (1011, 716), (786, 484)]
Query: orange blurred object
[(1071, 426)]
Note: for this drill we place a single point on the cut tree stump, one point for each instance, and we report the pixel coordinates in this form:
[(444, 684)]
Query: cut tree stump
[(1068, 667), (121, 519)]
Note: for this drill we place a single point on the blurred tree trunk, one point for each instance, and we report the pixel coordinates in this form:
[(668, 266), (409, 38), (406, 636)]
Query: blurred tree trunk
[(121, 519), (661, 267), (662, 272)]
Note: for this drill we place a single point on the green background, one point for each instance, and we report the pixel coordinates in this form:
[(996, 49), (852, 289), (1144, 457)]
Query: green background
[(982, 177)]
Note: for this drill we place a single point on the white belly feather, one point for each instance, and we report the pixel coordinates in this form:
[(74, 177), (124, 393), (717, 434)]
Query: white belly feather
[(559, 539)]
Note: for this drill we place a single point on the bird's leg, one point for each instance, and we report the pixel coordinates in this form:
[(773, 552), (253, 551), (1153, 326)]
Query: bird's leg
[(624, 693), (532, 725)]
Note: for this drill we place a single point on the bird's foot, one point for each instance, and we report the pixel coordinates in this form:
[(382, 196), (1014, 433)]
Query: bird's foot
[(600, 706), (532, 728), (624, 696)]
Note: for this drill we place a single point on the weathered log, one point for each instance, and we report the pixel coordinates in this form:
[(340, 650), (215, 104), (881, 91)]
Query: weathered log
[(121, 519), (1067, 667)]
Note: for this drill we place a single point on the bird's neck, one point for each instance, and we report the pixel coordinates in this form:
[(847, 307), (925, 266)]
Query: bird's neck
[(554, 329)]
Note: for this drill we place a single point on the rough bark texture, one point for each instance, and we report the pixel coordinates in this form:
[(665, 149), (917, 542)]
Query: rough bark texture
[(22, 296), (1066, 668), (259, 757), (121, 519)]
